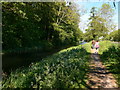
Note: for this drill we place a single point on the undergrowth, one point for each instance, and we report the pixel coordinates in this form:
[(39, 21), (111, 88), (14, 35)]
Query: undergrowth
[(65, 69)]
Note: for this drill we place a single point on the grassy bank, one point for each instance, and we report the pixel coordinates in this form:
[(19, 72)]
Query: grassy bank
[(105, 45), (110, 58), (65, 69)]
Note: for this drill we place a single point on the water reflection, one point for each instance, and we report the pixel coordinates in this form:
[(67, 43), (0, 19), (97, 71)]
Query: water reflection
[(13, 61)]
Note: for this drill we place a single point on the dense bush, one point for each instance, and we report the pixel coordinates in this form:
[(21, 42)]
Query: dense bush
[(65, 69)]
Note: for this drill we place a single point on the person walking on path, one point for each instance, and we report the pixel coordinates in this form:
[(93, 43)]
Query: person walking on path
[(97, 46), (93, 44), (93, 47)]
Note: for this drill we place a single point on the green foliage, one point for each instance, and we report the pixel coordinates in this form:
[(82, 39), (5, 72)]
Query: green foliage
[(107, 12), (31, 24), (44, 46), (96, 27), (110, 58), (65, 69), (114, 36)]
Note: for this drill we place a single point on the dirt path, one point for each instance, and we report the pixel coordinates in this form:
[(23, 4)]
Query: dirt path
[(99, 76)]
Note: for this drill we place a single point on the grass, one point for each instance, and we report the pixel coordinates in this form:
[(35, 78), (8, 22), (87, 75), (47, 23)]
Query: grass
[(65, 69), (87, 47), (104, 45)]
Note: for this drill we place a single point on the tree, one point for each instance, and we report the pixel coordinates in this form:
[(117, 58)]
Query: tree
[(96, 27), (100, 22), (106, 12)]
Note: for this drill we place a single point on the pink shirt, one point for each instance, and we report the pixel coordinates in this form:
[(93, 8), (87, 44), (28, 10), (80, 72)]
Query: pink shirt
[(97, 44)]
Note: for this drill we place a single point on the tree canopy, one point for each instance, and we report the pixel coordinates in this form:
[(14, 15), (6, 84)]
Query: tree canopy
[(43, 24)]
